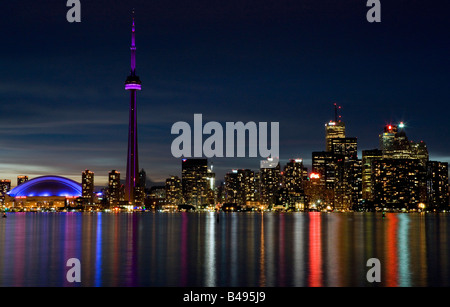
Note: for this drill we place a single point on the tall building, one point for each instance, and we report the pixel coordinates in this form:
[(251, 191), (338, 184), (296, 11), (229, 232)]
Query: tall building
[(194, 174), (132, 84), (368, 156), (395, 145), (437, 185), (270, 183), (87, 185), (240, 187), (21, 179), (338, 169), (5, 187), (114, 188), (211, 197), (294, 178), (324, 163), (387, 138), (174, 195), (399, 183), (294, 175), (333, 129)]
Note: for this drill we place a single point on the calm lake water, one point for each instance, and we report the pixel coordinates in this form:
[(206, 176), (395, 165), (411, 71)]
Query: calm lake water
[(238, 249)]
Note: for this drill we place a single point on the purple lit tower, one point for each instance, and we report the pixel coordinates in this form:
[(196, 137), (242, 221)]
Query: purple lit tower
[(132, 84)]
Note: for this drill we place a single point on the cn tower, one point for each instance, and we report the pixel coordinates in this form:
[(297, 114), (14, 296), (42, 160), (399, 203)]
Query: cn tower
[(132, 84)]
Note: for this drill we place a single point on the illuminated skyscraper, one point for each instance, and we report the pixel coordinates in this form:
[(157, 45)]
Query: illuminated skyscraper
[(437, 185), (240, 187), (114, 188), (399, 183), (173, 191), (270, 183), (387, 138), (87, 185), (194, 181), (5, 187), (334, 129), (368, 156), (132, 84), (294, 179), (294, 175)]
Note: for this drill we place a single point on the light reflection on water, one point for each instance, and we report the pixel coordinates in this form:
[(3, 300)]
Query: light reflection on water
[(226, 249)]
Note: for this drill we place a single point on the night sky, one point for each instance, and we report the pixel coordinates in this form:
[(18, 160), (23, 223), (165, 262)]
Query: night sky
[(63, 107)]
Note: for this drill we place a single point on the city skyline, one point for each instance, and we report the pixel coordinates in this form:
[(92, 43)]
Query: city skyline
[(230, 62)]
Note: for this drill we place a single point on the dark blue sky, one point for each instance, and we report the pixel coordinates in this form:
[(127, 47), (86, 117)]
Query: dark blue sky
[(63, 107)]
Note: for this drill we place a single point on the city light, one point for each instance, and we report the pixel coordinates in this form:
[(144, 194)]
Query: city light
[(314, 176)]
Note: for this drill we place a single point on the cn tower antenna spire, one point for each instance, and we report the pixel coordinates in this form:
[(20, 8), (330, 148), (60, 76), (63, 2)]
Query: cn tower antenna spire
[(133, 46), (132, 84)]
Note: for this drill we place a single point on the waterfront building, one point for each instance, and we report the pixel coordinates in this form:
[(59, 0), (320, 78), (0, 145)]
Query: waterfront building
[(174, 196), (368, 156), (270, 182), (437, 185), (240, 187), (5, 187), (44, 193), (115, 189), (399, 183), (194, 182), (87, 183)]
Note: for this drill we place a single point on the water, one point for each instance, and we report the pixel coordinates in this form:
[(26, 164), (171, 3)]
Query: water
[(239, 249)]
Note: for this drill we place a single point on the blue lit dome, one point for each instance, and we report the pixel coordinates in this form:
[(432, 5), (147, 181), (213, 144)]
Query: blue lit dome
[(47, 186)]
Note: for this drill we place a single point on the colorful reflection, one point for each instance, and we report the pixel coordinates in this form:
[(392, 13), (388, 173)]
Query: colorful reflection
[(248, 249), (315, 250)]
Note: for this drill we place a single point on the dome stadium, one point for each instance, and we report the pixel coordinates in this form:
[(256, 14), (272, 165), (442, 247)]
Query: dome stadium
[(43, 193)]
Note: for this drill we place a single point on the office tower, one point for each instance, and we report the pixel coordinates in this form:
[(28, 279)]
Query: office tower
[(114, 188), (324, 163), (398, 183), (87, 186), (348, 190), (387, 138), (317, 195), (437, 185), (132, 84), (294, 182), (232, 187), (173, 191), (368, 156), (333, 129), (211, 193), (395, 145), (270, 182), (240, 187), (5, 187), (294, 175), (194, 181), (21, 179)]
